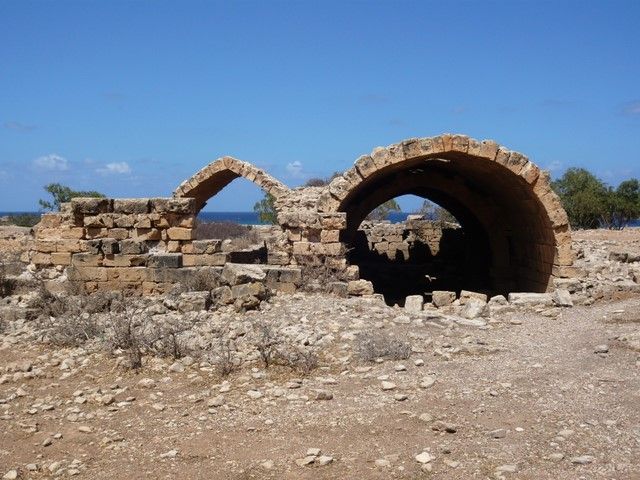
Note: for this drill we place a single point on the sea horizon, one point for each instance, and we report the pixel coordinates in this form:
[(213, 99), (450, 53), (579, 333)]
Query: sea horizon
[(251, 218)]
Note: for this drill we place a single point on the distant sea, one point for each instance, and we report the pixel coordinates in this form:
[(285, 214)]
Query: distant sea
[(251, 218)]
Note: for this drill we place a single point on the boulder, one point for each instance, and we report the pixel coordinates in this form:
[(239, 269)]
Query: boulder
[(414, 303), (531, 299), (194, 301), (360, 287), (441, 298), (474, 308), (562, 298), (466, 295), (237, 273)]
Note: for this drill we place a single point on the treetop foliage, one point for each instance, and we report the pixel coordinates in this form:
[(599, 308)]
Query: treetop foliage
[(62, 194), (591, 203)]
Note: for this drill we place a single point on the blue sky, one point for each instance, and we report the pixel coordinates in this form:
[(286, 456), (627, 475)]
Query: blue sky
[(131, 98)]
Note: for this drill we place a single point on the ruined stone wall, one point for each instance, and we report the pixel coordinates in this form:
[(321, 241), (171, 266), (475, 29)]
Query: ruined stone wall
[(497, 194), (142, 245), (399, 240)]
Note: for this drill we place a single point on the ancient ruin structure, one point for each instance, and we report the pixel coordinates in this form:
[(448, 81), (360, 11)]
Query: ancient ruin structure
[(516, 233)]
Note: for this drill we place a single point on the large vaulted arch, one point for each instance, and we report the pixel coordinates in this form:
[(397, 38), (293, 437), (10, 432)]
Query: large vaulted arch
[(497, 193)]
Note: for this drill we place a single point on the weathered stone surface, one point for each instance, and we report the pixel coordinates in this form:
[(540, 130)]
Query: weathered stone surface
[(131, 205), (235, 274), (466, 295), (441, 298), (414, 303), (165, 260), (360, 287), (524, 298), (562, 298)]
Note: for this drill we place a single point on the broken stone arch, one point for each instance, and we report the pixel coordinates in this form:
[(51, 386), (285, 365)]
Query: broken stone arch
[(218, 174), (503, 201)]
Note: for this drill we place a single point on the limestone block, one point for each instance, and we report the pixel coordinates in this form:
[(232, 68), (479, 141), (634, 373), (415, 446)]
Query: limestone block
[(562, 298), (132, 247), (333, 221), (143, 221), (121, 260), (341, 289), (46, 246), (173, 205), (329, 236), (365, 165), (179, 233), (474, 307), (98, 221), (124, 221), (285, 287), (302, 248), (174, 246), (466, 295), (87, 274), (206, 246), (131, 205), (109, 246), (254, 289), (39, 258), (97, 233), (414, 303), (164, 260), (86, 260), (278, 258), (61, 258), (90, 206), (127, 274), (119, 233), (360, 287), (530, 299), (204, 259), (71, 245), (442, 298), (236, 273), (50, 220), (144, 234)]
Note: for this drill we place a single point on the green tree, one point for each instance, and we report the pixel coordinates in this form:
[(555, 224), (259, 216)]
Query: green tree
[(623, 204), (62, 194), (435, 212), (266, 209), (382, 211), (585, 198)]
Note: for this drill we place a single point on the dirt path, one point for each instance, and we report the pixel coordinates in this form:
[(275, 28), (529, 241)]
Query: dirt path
[(526, 401)]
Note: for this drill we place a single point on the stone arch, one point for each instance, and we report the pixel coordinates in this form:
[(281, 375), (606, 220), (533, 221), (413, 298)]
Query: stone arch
[(505, 195), (219, 173)]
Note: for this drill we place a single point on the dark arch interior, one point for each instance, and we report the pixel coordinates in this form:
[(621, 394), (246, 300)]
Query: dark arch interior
[(507, 240)]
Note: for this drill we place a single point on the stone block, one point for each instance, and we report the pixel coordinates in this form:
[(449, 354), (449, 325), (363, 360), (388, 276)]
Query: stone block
[(98, 221), (50, 220), (204, 246), (360, 287), (179, 233), (333, 221), (530, 299), (46, 246), (61, 258), (132, 247), (87, 274), (442, 298), (235, 274), (127, 274), (414, 303), (562, 298), (110, 246), (341, 289), (466, 295), (39, 258), (131, 205), (213, 259), (86, 260), (144, 234), (164, 260), (173, 205), (253, 289), (143, 221), (90, 206), (119, 233), (329, 236), (122, 260)]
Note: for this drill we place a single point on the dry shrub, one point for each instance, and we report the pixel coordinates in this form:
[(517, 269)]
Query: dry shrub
[(222, 356), (318, 274), (203, 280), (267, 342), (370, 346), (73, 329), (298, 358)]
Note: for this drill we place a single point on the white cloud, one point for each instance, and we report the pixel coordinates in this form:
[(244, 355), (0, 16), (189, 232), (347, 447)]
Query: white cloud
[(294, 169), (116, 168), (51, 162)]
